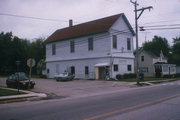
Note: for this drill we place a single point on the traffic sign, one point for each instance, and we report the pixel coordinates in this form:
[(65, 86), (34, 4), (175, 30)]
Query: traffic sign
[(31, 62)]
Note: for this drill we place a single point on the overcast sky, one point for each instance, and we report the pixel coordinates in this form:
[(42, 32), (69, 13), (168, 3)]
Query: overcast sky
[(165, 12)]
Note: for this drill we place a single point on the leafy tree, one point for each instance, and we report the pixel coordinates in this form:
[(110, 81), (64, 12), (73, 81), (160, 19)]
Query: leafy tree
[(175, 55), (41, 65), (37, 51), (14, 49), (156, 45)]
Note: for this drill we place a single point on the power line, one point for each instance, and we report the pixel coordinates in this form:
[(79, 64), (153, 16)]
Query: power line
[(46, 19), (163, 25), (163, 28), (29, 17)]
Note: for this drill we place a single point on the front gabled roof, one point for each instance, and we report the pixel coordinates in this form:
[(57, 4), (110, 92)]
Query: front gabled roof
[(88, 28), (140, 50)]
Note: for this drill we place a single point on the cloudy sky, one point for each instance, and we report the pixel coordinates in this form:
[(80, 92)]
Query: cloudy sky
[(165, 13)]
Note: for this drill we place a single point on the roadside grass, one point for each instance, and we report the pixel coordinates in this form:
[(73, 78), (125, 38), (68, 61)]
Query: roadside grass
[(148, 79), (6, 92)]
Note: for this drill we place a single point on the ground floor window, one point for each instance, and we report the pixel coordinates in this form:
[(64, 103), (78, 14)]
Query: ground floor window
[(144, 69), (72, 70), (86, 70), (129, 67), (116, 68)]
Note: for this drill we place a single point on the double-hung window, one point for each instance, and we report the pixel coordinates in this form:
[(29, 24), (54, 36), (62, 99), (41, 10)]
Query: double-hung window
[(86, 70), (128, 44), (72, 46), (53, 49), (90, 43), (114, 41)]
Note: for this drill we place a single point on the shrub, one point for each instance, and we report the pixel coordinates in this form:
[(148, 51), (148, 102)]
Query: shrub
[(167, 76), (129, 75), (177, 75), (43, 76), (119, 76), (125, 76), (132, 75)]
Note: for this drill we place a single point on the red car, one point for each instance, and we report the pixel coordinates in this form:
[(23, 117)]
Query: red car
[(19, 79)]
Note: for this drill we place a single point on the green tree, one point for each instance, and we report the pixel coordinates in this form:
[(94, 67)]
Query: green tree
[(14, 49), (175, 49), (37, 51), (156, 45)]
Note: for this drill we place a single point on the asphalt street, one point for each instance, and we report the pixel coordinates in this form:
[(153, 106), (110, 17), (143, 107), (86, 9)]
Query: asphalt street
[(158, 102)]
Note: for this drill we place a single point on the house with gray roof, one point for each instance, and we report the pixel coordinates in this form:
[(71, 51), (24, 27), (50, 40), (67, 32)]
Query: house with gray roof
[(93, 49)]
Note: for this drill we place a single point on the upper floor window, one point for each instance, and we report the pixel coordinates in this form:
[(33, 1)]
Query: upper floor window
[(142, 58), (128, 44), (114, 41), (53, 49), (90, 43), (72, 46)]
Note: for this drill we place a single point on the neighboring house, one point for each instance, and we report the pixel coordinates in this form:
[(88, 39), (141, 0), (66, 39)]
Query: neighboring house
[(152, 65), (178, 69), (93, 49)]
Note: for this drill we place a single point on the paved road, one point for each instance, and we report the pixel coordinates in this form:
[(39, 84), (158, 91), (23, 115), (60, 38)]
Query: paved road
[(158, 102)]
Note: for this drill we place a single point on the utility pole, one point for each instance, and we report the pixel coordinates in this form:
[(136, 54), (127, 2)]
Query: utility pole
[(136, 26)]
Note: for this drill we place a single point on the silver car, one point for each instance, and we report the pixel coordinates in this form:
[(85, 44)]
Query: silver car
[(64, 77)]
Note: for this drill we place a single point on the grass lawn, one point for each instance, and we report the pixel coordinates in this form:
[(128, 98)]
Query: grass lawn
[(5, 92), (147, 79)]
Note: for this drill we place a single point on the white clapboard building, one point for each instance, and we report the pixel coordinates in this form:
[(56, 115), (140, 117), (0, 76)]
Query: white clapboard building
[(93, 49)]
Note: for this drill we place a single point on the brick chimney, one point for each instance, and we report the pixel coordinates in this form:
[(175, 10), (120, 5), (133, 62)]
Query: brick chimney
[(70, 23)]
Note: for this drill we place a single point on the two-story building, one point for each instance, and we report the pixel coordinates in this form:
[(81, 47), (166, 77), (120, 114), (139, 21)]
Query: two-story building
[(92, 49), (152, 65)]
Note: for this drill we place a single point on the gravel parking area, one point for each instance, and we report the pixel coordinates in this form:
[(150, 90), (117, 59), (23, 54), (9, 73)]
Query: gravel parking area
[(75, 88)]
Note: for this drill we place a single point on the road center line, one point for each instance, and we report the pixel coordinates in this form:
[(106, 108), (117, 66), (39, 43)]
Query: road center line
[(130, 108)]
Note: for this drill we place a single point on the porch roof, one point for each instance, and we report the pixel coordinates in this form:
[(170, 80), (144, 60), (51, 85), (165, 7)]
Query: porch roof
[(101, 64)]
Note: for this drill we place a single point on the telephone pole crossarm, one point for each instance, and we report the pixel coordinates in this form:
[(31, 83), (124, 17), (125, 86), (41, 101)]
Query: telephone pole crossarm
[(142, 10)]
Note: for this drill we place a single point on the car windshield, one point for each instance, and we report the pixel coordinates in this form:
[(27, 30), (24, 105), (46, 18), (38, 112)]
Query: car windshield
[(22, 76)]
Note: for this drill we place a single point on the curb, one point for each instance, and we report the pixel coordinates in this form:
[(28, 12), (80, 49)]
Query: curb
[(17, 98)]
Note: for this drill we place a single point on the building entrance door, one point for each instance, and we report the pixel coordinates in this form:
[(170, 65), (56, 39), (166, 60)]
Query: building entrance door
[(102, 73)]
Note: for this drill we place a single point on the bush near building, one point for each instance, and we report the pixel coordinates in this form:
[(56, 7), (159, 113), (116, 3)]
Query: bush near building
[(125, 76)]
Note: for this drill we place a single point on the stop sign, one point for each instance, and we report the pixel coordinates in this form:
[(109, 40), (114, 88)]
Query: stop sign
[(31, 62)]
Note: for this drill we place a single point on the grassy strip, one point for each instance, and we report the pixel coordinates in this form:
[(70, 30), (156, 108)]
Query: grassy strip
[(6, 92), (148, 79), (158, 82)]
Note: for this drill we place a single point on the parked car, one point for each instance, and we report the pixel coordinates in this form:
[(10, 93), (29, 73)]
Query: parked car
[(64, 76), (19, 79)]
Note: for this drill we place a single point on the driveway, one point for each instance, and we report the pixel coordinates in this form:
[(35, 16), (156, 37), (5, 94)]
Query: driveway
[(76, 88)]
